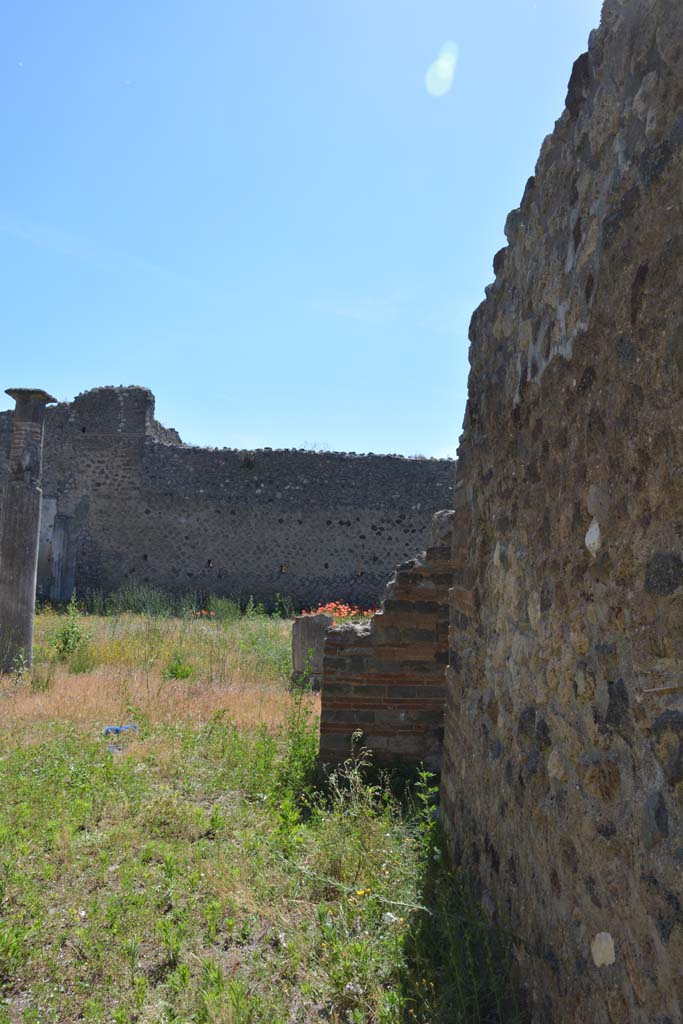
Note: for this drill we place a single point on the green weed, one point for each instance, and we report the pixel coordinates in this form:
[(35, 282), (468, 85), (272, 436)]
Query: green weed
[(177, 668), (69, 637)]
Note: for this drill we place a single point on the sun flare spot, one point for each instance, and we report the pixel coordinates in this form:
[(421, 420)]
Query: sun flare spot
[(439, 75)]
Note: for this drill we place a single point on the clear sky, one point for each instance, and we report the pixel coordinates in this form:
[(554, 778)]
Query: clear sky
[(277, 216)]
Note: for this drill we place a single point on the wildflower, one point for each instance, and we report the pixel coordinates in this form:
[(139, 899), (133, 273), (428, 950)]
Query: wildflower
[(340, 611)]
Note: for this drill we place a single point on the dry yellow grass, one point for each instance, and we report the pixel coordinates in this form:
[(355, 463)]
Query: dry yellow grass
[(240, 666), (104, 697)]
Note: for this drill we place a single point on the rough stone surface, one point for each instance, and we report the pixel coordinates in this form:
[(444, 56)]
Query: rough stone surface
[(308, 637), (126, 501), (20, 528), (385, 680), (563, 777)]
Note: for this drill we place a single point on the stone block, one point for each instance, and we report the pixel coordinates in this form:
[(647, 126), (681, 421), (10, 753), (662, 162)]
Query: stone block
[(308, 636)]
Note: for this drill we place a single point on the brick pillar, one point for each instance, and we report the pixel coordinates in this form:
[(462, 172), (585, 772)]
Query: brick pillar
[(20, 526), (385, 679)]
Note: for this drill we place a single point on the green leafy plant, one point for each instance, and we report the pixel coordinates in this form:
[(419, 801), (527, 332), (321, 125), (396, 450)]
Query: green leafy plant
[(284, 607), (178, 668), (69, 636), (20, 667), (297, 768), (171, 935)]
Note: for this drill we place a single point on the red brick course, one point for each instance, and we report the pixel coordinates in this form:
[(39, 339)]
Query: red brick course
[(386, 680)]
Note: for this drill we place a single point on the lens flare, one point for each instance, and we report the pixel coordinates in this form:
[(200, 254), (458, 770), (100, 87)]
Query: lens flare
[(439, 75)]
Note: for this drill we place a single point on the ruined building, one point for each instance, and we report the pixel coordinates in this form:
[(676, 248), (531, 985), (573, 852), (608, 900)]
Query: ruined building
[(125, 501), (562, 781)]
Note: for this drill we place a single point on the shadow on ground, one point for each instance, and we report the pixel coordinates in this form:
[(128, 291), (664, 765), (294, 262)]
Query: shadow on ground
[(459, 963)]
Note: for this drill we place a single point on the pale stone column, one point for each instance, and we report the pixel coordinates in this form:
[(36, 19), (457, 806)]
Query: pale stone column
[(20, 526)]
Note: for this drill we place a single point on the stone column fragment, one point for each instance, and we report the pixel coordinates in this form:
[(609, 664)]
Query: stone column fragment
[(20, 526), (308, 637)]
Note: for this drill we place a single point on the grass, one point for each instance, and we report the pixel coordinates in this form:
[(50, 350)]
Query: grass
[(95, 669), (200, 869)]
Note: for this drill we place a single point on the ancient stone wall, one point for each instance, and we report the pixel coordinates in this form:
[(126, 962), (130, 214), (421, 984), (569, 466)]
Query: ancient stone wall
[(125, 500), (563, 773), (385, 679)]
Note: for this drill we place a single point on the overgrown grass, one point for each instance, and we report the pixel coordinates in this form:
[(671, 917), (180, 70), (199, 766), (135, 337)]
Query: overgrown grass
[(201, 870), (141, 599), (94, 668)]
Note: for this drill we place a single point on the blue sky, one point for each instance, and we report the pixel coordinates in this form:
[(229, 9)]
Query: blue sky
[(261, 211)]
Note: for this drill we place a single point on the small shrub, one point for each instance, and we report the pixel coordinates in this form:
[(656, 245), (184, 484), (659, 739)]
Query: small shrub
[(177, 668), (20, 668), (296, 771), (70, 636), (254, 609)]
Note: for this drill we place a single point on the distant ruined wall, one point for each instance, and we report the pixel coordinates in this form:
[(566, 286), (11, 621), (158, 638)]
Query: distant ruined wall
[(126, 501), (563, 775), (385, 679)]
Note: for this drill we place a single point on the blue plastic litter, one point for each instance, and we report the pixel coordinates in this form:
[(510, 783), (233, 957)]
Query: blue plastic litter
[(114, 730)]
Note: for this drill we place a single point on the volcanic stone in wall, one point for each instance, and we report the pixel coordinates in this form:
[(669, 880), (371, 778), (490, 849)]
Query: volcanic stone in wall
[(563, 777), (127, 503)]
